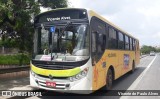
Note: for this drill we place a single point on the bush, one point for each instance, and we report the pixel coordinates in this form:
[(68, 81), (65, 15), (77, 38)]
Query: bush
[(17, 59)]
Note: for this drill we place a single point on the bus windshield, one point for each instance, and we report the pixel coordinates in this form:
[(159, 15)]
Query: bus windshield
[(68, 43)]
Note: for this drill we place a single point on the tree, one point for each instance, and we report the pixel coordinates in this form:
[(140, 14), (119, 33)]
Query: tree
[(158, 50), (53, 4), (146, 49), (16, 19)]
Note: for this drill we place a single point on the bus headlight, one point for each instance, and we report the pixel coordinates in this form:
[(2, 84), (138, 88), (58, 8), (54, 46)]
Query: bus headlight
[(71, 79), (84, 72), (80, 75), (33, 74)]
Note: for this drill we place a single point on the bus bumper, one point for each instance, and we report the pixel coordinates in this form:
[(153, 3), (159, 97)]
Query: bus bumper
[(82, 86)]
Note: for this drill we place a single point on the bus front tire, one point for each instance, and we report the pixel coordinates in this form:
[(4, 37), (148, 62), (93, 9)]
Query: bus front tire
[(109, 80)]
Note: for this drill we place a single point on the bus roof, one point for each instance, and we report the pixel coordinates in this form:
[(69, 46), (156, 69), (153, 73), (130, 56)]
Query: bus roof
[(61, 9), (92, 13)]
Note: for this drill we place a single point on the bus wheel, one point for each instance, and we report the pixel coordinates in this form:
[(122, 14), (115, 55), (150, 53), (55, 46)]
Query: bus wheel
[(109, 80), (133, 67)]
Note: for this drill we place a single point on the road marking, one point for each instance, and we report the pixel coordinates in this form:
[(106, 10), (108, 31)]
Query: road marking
[(135, 83)]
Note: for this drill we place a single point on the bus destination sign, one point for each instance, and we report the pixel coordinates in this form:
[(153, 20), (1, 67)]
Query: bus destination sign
[(59, 18), (61, 15)]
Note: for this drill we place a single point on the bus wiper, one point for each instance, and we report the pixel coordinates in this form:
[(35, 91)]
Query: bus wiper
[(60, 34), (68, 23)]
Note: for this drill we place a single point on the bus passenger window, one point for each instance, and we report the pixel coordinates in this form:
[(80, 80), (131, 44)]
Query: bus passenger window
[(134, 44), (104, 43), (131, 47), (126, 42), (137, 45), (112, 39), (121, 41)]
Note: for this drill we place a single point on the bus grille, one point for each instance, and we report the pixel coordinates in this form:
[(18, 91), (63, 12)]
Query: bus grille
[(53, 67), (52, 77)]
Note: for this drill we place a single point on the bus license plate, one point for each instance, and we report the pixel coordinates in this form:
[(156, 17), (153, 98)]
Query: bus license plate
[(50, 84)]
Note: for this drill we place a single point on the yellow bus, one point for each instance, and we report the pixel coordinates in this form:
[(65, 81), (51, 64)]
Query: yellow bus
[(78, 51)]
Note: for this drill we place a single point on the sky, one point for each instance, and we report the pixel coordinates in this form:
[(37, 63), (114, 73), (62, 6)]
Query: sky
[(140, 18)]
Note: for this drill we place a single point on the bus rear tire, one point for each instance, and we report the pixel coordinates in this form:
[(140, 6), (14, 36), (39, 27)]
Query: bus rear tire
[(109, 79), (133, 67)]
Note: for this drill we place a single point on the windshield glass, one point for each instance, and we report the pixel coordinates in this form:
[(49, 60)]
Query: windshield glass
[(67, 43)]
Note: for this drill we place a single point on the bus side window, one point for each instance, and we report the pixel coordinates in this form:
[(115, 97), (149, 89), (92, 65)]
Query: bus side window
[(112, 39), (134, 44), (137, 45), (126, 42), (121, 40), (101, 42), (93, 43), (131, 47), (104, 42)]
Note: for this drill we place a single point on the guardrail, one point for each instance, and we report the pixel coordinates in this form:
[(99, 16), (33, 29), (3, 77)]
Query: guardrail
[(14, 69)]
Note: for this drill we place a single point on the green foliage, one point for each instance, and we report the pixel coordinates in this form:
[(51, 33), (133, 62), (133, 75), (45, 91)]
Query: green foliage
[(16, 15), (18, 59), (16, 18), (16, 23), (53, 3), (158, 50), (146, 49), (8, 43)]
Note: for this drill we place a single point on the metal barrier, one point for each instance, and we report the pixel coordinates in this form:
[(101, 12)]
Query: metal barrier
[(142, 56)]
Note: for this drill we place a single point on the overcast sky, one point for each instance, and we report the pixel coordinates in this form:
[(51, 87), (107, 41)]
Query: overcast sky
[(140, 18)]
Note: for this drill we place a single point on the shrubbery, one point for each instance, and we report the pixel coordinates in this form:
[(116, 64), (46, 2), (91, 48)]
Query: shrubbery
[(17, 59)]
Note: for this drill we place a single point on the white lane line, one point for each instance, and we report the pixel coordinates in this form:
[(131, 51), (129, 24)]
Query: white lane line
[(136, 82)]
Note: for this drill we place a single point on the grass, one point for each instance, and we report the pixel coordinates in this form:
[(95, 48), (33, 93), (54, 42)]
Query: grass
[(17, 59)]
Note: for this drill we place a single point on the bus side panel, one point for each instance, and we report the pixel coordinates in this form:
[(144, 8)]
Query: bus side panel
[(112, 60), (121, 61), (126, 60), (109, 58), (99, 73)]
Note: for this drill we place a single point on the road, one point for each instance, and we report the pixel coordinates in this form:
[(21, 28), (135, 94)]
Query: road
[(145, 77)]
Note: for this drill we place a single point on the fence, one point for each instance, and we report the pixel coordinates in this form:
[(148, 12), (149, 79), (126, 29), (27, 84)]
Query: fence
[(4, 50)]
